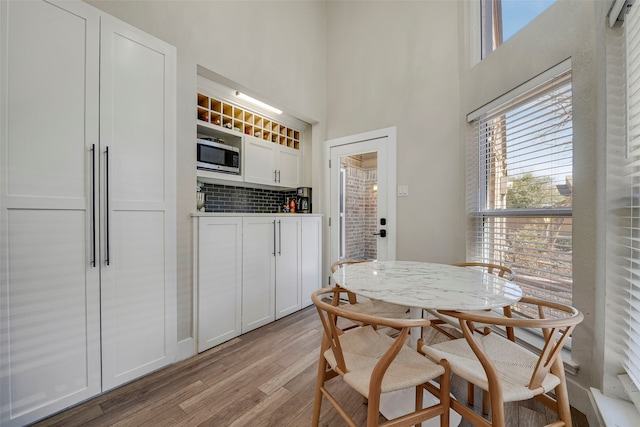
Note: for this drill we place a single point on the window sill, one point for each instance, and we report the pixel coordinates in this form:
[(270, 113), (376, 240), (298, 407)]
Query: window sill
[(615, 412)]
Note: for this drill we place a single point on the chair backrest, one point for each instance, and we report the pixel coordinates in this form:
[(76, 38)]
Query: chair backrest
[(329, 314), (556, 321), (497, 269), (340, 263)]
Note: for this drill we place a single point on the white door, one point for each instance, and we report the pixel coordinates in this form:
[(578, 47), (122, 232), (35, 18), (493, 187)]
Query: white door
[(259, 248), (288, 265), (362, 196), (49, 286), (138, 284)]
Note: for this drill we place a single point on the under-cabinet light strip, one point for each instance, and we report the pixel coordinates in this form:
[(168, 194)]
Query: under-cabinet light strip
[(258, 103)]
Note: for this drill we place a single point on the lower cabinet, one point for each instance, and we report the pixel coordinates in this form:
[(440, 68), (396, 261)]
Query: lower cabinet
[(253, 270), (219, 276), (258, 272), (310, 259)]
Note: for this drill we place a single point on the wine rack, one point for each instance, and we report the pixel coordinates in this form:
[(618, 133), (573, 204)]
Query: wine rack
[(232, 117)]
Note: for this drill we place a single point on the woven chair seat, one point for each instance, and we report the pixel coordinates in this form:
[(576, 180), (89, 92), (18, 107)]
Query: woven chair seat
[(514, 363), (362, 349), (452, 321), (379, 308)]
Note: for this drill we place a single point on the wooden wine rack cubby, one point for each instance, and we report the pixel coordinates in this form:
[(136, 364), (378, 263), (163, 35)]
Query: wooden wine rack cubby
[(227, 115)]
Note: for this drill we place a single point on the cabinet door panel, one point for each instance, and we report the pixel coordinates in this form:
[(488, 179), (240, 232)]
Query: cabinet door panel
[(133, 103), (289, 167), (288, 266), (52, 328), (134, 295), (52, 101), (311, 258), (259, 161), (49, 308), (219, 280), (137, 126), (258, 272)]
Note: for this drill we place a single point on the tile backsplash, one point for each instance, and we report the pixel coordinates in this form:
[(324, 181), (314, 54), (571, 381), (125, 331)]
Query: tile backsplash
[(230, 199)]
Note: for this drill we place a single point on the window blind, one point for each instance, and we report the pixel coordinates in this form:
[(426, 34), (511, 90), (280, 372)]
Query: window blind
[(519, 197), (631, 238)]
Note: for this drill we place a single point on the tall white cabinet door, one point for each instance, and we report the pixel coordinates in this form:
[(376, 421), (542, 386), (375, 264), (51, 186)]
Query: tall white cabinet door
[(259, 159), (288, 265), (49, 288), (311, 258), (219, 280), (258, 272), (137, 122)]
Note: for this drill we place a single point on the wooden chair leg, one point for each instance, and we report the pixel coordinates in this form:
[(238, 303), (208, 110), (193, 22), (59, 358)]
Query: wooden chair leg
[(322, 369), (419, 400), (445, 396), (373, 410), (485, 402), (470, 394), (562, 395)]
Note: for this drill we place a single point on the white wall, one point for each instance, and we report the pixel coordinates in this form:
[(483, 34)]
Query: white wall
[(272, 49), (396, 64)]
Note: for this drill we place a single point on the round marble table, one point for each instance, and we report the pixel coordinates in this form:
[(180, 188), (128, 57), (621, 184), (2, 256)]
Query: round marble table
[(428, 285), (421, 285)]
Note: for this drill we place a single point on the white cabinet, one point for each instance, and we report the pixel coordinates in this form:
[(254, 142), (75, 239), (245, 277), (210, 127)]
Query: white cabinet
[(310, 258), (259, 250), (252, 270), (138, 196), (219, 280), (288, 258), (270, 269), (87, 217), (270, 163)]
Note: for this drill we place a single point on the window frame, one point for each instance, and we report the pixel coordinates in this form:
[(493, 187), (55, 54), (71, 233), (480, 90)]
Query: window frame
[(479, 213)]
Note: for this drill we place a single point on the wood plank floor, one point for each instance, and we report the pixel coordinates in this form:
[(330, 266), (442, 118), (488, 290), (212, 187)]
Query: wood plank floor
[(263, 378)]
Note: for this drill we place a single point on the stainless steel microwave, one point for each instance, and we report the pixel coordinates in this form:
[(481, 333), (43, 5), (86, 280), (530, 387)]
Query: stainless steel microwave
[(214, 156)]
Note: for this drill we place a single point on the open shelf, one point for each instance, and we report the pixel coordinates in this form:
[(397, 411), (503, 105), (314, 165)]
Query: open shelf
[(230, 117)]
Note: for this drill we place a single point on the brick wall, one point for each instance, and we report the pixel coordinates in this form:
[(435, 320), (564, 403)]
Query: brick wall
[(230, 199), (360, 210)]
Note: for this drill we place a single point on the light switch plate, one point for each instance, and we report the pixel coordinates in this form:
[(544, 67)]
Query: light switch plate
[(403, 190)]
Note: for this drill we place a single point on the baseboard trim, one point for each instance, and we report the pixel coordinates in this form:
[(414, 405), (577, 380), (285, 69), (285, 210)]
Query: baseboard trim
[(186, 349)]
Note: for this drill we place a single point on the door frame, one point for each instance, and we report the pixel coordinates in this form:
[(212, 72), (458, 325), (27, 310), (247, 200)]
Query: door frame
[(390, 135)]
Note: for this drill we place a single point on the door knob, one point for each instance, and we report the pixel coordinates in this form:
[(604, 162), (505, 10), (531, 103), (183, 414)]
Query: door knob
[(381, 233)]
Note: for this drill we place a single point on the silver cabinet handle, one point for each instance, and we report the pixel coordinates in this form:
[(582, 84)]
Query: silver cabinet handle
[(274, 237), (93, 205), (279, 238), (106, 204)]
